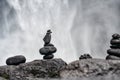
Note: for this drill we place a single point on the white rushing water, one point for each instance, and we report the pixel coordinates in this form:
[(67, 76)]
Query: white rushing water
[(78, 26)]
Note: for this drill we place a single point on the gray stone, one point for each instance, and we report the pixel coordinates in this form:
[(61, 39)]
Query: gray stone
[(47, 50), (115, 52), (48, 56), (47, 37), (44, 51), (15, 60), (115, 42), (115, 46), (115, 36), (112, 57)]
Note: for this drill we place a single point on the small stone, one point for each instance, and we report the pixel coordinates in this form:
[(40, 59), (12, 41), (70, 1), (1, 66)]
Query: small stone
[(112, 57), (15, 60), (48, 56), (116, 36), (47, 37), (115, 52), (115, 42), (115, 46)]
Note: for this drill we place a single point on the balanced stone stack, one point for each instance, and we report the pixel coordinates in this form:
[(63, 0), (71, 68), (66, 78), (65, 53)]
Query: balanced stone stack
[(114, 52), (48, 48)]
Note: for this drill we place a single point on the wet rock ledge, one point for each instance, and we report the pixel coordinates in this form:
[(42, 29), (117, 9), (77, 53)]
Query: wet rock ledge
[(57, 68), (48, 68)]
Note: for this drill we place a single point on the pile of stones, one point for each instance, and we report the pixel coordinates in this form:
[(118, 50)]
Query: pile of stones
[(48, 48), (114, 52), (48, 51), (85, 56)]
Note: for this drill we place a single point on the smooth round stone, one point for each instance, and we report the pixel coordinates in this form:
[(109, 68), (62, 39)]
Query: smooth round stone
[(115, 42), (44, 51), (112, 57), (116, 36), (47, 50), (48, 56), (115, 46), (15, 60), (115, 52)]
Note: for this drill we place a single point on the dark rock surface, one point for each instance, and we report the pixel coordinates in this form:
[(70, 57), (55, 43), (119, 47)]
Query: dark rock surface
[(84, 69), (91, 68), (35, 69), (15, 60)]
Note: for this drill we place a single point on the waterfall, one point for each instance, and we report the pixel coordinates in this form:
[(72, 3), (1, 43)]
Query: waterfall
[(78, 26)]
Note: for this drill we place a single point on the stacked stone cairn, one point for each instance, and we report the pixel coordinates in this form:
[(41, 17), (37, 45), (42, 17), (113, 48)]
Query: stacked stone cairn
[(85, 56), (114, 52), (48, 48)]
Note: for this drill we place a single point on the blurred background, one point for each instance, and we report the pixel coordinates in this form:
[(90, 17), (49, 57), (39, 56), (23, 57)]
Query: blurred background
[(78, 26)]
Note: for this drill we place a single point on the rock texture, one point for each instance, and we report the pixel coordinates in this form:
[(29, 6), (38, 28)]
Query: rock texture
[(84, 69), (15, 60), (35, 69), (91, 68)]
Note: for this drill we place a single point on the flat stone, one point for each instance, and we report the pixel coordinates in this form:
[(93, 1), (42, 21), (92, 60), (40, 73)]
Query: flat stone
[(15, 60), (44, 51), (115, 46), (48, 45), (48, 56), (115, 42), (47, 50), (115, 52), (112, 57)]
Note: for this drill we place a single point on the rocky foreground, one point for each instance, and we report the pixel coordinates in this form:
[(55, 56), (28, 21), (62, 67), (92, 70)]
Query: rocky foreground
[(85, 69)]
